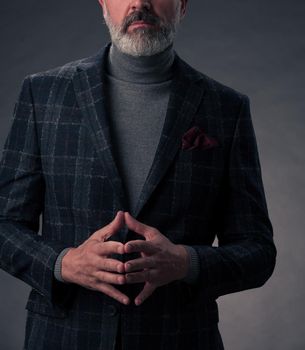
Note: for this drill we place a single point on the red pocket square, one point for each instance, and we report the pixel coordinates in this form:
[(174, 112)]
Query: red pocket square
[(195, 137)]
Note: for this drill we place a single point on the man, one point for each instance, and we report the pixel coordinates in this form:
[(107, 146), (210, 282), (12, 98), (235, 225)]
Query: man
[(136, 162)]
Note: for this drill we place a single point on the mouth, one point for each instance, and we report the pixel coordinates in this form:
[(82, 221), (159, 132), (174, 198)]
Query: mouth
[(138, 24)]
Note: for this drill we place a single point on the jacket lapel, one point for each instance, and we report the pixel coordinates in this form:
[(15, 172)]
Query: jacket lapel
[(185, 97), (90, 93), (186, 94)]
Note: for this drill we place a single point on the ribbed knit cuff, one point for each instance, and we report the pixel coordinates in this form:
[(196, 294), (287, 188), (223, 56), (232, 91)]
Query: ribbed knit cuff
[(194, 267), (57, 267)]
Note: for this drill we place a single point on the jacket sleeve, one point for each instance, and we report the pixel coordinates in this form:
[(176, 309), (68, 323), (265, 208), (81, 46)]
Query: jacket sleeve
[(24, 253), (246, 254)]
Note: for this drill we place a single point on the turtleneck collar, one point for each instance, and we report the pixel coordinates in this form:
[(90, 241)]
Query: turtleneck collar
[(141, 69)]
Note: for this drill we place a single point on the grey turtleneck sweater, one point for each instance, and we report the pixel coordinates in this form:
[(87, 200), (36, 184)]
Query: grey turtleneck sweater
[(138, 90), (137, 97)]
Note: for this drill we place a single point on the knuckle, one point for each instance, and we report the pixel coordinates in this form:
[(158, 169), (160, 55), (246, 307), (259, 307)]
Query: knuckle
[(92, 245), (91, 284), (95, 236), (103, 248), (109, 266), (105, 265), (154, 230), (93, 280), (100, 276)]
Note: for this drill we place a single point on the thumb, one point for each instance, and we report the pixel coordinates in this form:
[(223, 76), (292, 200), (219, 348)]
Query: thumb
[(111, 228)]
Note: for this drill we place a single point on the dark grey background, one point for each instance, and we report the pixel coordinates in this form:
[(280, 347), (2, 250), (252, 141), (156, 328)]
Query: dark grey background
[(256, 47)]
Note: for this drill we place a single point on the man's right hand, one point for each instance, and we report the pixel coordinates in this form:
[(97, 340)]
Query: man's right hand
[(89, 265)]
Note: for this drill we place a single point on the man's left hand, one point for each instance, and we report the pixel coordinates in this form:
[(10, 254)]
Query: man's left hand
[(161, 260)]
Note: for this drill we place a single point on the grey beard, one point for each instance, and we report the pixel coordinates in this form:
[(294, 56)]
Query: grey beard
[(143, 41)]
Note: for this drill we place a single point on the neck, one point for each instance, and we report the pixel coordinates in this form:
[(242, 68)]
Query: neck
[(140, 69)]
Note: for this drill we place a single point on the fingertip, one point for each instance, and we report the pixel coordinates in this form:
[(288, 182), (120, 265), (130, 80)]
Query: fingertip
[(121, 268), (127, 214), (119, 213), (121, 248), (121, 280), (128, 248), (120, 218), (138, 302)]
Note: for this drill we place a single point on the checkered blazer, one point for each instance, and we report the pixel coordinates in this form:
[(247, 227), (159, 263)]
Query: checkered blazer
[(58, 161)]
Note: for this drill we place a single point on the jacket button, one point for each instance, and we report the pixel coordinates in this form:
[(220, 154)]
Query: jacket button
[(112, 310)]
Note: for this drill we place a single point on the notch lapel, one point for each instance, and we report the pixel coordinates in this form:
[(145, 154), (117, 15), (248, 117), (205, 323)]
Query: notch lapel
[(89, 86), (185, 97)]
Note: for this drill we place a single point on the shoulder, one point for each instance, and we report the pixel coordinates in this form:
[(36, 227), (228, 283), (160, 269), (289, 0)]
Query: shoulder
[(54, 81), (69, 69), (227, 97), (63, 72)]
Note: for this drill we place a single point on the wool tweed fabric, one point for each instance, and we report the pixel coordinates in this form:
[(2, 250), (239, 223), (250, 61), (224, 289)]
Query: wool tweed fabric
[(58, 161)]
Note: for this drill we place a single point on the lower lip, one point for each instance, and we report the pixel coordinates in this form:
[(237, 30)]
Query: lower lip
[(137, 25)]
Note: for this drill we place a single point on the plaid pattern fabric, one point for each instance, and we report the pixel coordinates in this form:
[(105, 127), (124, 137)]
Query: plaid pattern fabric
[(58, 161)]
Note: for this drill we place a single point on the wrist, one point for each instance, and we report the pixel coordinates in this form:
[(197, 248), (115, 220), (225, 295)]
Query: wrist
[(194, 266), (65, 266), (185, 261)]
